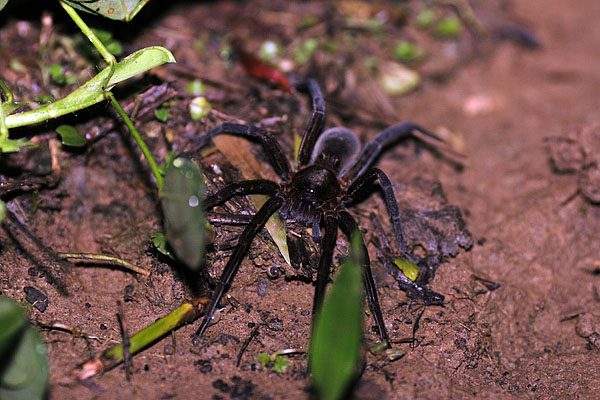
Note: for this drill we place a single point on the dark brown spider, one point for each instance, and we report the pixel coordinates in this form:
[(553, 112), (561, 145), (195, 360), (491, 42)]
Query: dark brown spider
[(331, 173)]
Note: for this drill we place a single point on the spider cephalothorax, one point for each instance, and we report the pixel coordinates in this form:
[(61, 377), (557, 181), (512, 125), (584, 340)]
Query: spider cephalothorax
[(331, 173)]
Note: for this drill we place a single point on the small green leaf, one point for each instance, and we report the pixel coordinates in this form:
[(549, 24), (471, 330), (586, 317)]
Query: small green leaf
[(183, 207), (425, 18), (263, 359), (160, 242), (408, 268), (199, 108), (71, 136), (335, 348), (303, 53), (407, 52), (281, 364), (449, 28), (56, 73), (161, 114), (196, 87)]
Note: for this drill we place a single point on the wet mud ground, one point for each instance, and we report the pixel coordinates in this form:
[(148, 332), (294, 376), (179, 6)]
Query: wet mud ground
[(527, 121)]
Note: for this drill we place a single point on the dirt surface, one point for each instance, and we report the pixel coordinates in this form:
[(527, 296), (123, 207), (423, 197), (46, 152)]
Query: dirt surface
[(520, 313)]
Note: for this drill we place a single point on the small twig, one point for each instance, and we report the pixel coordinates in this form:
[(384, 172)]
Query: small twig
[(103, 257), (253, 334), (416, 327), (126, 342)]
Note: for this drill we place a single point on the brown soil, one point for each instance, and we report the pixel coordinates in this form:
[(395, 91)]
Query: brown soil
[(534, 229)]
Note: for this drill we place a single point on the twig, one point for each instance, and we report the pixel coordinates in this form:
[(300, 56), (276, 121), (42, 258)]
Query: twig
[(127, 361), (103, 257)]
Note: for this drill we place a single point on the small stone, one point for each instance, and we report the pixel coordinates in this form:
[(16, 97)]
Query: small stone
[(38, 299)]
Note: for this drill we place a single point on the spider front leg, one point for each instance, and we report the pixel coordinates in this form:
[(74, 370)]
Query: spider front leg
[(362, 186), (383, 139), (274, 153), (349, 226), (243, 188), (256, 224), (315, 123), (327, 246)]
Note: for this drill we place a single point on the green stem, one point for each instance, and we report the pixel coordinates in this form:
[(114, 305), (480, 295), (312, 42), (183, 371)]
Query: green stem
[(185, 313), (108, 57), (138, 139)]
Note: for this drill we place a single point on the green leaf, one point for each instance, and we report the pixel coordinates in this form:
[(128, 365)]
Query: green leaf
[(335, 348), (160, 242), (199, 108), (183, 207), (281, 364), (24, 373), (161, 114), (449, 28), (196, 87), (71, 136), (408, 268), (121, 10), (3, 4), (140, 62)]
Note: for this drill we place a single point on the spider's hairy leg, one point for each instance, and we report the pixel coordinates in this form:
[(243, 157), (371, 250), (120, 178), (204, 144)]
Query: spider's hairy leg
[(362, 187), (243, 188), (255, 225), (315, 123), (381, 140), (271, 147), (327, 246), (349, 226)]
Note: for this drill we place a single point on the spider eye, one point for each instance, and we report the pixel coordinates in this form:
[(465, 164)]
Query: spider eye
[(337, 147)]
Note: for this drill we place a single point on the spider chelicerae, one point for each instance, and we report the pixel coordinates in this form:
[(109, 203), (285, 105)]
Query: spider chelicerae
[(331, 173)]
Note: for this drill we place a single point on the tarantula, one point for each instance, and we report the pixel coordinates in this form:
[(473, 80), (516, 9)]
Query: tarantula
[(331, 174)]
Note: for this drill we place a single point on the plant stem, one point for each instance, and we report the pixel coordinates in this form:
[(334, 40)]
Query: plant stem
[(138, 139), (188, 312), (108, 57)]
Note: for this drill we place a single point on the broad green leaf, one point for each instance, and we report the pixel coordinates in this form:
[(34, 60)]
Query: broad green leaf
[(71, 136), (3, 4), (12, 321), (24, 373), (335, 348), (120, 10), (92, 91), (183, 207)]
